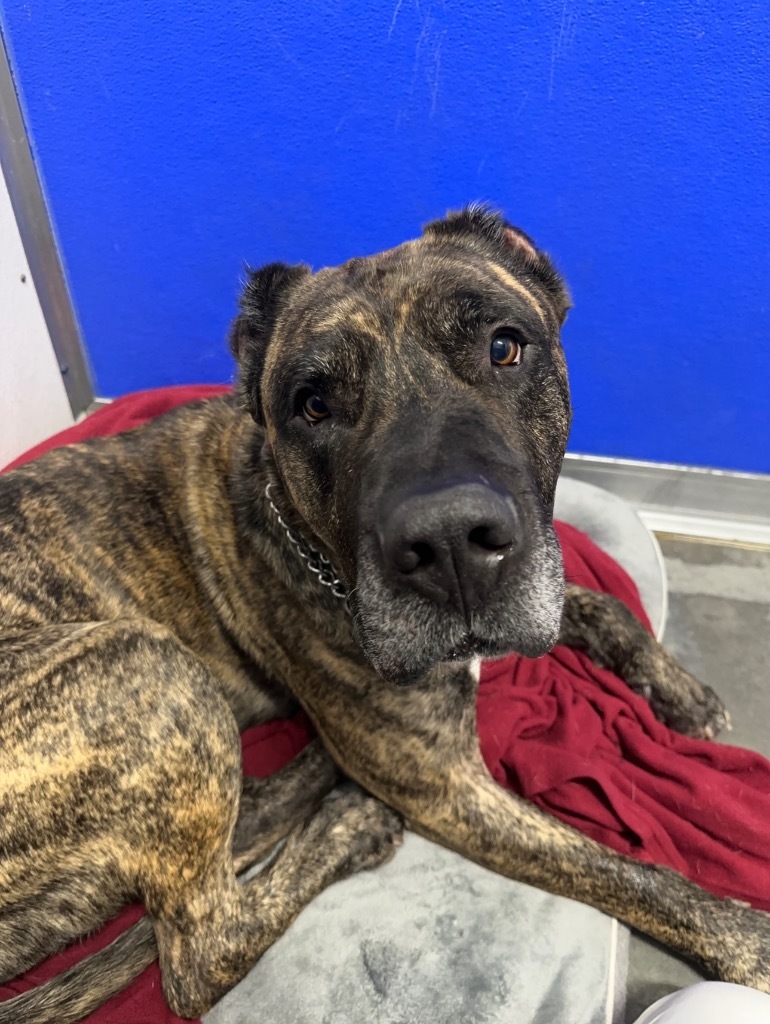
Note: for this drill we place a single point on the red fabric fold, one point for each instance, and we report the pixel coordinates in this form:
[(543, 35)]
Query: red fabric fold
[(567, 735), (575, 740)]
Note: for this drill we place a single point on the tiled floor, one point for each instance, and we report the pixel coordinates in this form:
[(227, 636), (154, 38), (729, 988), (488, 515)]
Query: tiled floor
[(719, 627)]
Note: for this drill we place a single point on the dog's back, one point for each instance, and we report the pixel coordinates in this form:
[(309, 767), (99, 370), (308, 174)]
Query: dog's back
[(96, 531)]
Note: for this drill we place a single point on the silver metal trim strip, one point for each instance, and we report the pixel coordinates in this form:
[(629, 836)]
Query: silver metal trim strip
[(714, 503), (39, 243), (98, 403)]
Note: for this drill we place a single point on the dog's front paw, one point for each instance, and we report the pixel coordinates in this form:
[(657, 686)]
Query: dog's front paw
[(373, 832), (688, 706), (743, 949), (351, 832)]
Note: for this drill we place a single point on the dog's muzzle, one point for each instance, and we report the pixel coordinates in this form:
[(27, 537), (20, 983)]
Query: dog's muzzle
[(461, 570), (449, 545)]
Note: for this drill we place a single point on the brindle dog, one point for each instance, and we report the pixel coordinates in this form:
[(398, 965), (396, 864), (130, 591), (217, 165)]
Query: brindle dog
[(380, 521)]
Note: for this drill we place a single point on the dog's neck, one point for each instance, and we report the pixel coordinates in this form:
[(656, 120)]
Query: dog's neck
[(256, 536), (315, 562), (280, 536)]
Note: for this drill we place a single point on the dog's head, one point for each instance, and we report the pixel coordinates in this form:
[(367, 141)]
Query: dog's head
[(417, 408)]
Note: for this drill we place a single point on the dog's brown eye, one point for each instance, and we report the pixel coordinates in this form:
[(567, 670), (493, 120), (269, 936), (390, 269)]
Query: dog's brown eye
[(505, 350), (315, 409)]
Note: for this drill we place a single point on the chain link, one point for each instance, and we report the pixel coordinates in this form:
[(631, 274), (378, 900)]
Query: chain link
[(317, 563)]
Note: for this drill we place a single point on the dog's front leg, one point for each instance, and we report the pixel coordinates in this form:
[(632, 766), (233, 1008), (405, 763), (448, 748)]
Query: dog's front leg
[(613, 637), (477, 818), (417, 749), (269, 808)]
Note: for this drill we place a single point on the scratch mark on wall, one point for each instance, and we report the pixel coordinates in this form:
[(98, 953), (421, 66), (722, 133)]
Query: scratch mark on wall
[(103, 84), (436, 78), (394, 19), (289, 56), (562, 42), (419, 44)]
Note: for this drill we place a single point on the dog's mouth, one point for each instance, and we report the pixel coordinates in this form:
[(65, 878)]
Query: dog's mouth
[(402, 670), (403, 652), (475, 646)]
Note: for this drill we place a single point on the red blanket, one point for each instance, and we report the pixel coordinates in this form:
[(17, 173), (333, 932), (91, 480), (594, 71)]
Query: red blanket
[(565, 734)]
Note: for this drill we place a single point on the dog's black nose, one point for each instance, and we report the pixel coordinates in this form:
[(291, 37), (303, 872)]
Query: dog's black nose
[(449, 544)]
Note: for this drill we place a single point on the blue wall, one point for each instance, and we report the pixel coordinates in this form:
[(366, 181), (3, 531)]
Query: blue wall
[(629, 136)]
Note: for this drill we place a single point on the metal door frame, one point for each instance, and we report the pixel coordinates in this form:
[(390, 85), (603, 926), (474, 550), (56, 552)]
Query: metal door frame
[(38, 239)]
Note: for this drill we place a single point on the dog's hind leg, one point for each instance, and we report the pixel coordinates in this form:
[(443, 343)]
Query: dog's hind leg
[(121, 768), (614, 638), (221, 928)]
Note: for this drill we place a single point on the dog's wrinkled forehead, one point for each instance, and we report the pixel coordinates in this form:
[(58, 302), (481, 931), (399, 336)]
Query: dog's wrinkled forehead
[(424, 297), (418, 289)]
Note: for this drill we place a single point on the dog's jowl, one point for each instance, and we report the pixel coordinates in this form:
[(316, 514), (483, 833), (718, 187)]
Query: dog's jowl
[(368, 516)]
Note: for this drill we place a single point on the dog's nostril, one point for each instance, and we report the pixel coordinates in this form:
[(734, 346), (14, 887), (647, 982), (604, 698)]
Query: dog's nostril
[(424, 555), (490, 538), (409, 557)]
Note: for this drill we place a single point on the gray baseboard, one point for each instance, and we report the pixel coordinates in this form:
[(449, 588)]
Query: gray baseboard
[(98, 403), (687, 500)]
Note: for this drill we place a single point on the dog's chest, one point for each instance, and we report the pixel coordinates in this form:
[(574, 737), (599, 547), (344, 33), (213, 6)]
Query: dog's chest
[(253, 695)]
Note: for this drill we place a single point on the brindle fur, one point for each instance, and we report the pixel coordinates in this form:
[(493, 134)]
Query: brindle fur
[(151, 606)]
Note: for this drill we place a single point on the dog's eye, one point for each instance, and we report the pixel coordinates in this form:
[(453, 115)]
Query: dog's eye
[(314, 410), (506, 349)]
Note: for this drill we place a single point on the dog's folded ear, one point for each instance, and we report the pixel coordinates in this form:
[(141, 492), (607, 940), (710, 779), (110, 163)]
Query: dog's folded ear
[(262, 300), (507, 244)]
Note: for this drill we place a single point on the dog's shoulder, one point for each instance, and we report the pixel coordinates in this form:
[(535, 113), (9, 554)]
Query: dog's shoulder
[(113, 483), (110, 514), (136, 449)]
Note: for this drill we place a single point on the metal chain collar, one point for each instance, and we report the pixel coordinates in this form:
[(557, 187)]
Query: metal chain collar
[(317, 563)]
